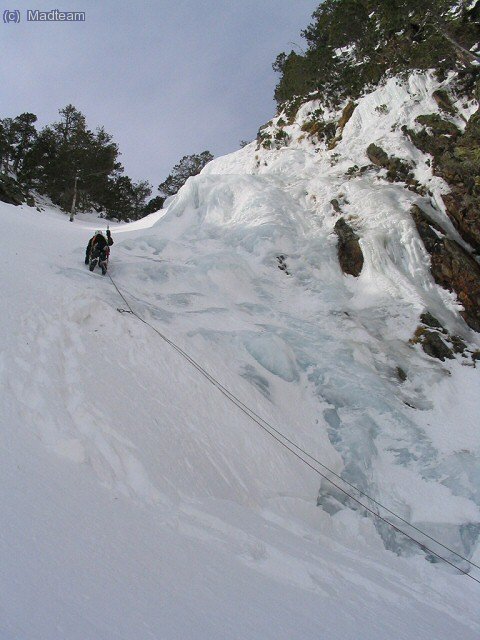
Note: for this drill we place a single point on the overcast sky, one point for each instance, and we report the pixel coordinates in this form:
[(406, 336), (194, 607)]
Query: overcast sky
[(166, 78)]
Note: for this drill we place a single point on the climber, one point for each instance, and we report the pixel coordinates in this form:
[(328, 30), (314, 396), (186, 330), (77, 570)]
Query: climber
[(98, 250)]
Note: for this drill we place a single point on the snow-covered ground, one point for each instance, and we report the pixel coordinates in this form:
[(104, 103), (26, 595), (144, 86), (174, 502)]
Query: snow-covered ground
[(139, 502)]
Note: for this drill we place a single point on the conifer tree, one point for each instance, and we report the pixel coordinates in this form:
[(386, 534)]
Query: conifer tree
[(187, 167)]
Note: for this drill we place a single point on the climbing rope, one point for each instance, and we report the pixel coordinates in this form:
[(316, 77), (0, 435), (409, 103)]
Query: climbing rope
[(285, 442)]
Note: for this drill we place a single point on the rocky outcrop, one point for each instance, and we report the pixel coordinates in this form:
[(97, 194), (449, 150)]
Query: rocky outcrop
[(377, 155), (430, 139), (344, 118), (430, 321), (336, 205), (438, 126), (451, 266), (347, 113), (459, 166), (435, 347), (456, 159), (442, 98), (350, 253), (437, 342), (397, 170), (321, 129)]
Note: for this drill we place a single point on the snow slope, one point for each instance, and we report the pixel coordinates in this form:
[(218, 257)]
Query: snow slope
[(138, 502)]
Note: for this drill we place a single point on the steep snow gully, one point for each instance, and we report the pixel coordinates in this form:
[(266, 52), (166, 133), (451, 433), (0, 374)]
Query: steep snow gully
[(140, 503)]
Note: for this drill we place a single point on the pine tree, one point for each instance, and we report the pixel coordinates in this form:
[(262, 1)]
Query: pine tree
[(67, 150), (153, 205), (24, 133), (187, 167), (124, 199), (6, 145)]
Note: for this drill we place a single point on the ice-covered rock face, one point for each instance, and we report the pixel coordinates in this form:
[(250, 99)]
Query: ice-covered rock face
[(305, 333)]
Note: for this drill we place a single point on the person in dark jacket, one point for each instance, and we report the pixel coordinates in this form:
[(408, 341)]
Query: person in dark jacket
[(98, 242), (98, 250)]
